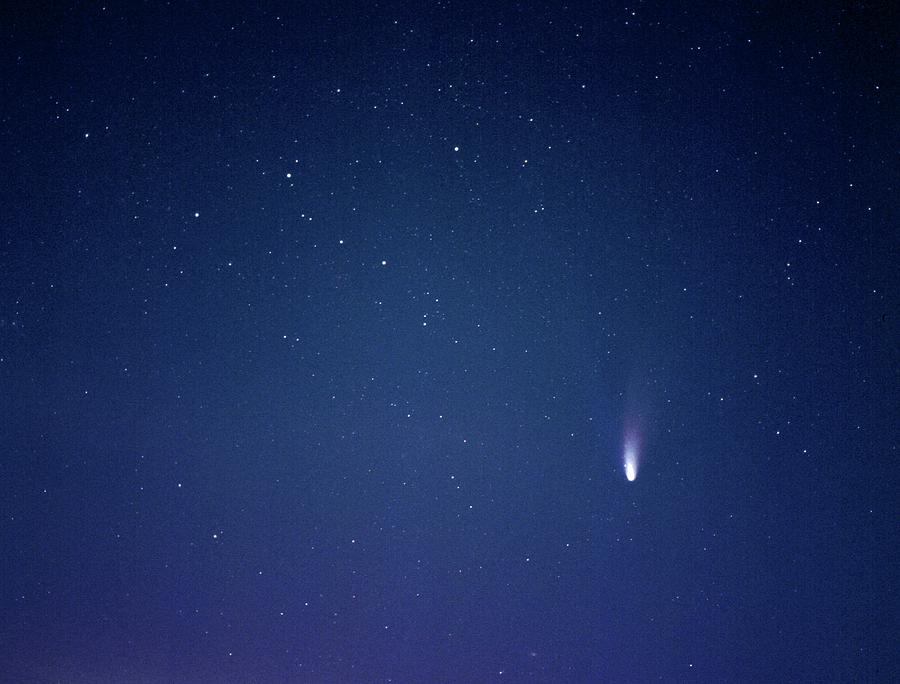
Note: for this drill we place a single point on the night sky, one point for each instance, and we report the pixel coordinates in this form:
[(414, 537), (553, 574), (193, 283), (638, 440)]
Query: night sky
[(330, 332)]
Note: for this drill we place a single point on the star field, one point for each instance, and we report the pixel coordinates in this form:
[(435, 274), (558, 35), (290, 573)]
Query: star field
[(445, 342)]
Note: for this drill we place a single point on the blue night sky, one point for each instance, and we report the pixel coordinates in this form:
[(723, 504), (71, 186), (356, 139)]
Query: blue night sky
[(327, 329)]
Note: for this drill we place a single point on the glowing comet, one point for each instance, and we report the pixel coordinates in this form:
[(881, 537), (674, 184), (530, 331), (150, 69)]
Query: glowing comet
[(630, 469), (631, 456)]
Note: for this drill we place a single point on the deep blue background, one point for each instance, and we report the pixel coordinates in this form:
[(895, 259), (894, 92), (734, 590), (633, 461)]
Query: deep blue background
[(235, 446)]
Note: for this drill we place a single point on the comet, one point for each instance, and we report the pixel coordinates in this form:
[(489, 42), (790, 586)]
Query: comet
[(631, 456)]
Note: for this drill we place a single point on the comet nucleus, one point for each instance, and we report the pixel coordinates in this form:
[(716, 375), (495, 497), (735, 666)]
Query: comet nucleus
[(630, 470), (631, 457)]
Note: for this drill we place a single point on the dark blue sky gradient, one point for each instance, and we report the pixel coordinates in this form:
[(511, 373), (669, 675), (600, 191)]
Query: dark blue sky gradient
[(321, 326)]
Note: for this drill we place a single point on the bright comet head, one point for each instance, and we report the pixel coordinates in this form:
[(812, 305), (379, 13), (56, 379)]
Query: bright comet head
[(631, 458), (630, 470)]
